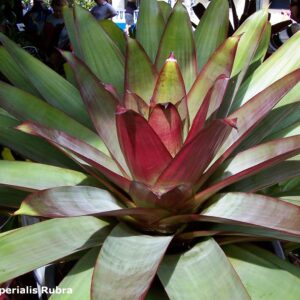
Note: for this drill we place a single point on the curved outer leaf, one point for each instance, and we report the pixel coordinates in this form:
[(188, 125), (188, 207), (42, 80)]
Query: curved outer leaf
[(270, 272), (202, 272), (220, 63), (279, 218), (145, 153), (215, 21), (166, 122), (32, 176), (127, 263), (250, 162), (24, 107), (54, 88), (275, 67), (64, 237), (79, 279), (149, 27), (11, 70), (30, 147), (92, 156), (101, 105), (140, 75), (172, 40), (98, 51)]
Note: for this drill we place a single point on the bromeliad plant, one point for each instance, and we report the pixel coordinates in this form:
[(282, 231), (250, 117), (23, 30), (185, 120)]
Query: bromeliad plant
[(151, 156)]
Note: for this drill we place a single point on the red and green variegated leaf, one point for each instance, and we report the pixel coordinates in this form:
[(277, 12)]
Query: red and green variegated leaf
[(24, 107), (209, 107), (169, 86), (30, 147), (140, 75), (215, 21), (165, 121), (101, 105), (115, 33), (250, 162), (97, 49), (172, 40), (273, 175), (105, 164), (56, 90), (273, 275), (33, 176), (278, 218), (134, 102), (11, 70), (220, 63), (80, 201), (150, 27), (127, 264), (64, 237), (190, 162), (145, 154), (250, 114), (275, 67), (165, 9), (192, 274)]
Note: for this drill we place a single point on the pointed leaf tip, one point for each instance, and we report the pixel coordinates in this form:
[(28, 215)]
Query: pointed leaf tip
[(121, 110), (172, 57), (231, 122)]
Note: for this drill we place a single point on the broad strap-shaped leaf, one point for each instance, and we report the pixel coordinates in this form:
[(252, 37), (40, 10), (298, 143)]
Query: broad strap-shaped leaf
[(169, 86), (275, 67), (250, 114), (54, 88), (145, 154), (165, 9), (79, 279), (64, 237), (149, 27), (202, 272), (165, 121), (186, 56), (215, 21), (273, 276), (97, 49), (80, 201), (133, 102), (30, 146), (32, 176), (115, 33), (11, 70), (140, 74), (87, 153), (193, 158), (281, 220), (127, 263), (25, 106), (250, 162), (220, 63), (101, 105)]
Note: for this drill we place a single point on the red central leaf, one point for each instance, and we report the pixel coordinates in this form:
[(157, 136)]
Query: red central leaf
[(145, 153), (166, 122)]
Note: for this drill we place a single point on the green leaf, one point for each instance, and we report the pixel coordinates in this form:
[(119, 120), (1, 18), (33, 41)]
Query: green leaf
[(127, 263), (149, 27), (54, 88), (172, 40), (31, 147), (141, 76), (24, 107), (48, 241), (11, 70), (32, 176), (165, 9), (215, 21), (264, 275), (98, 51), (79, 279), (202, 272)]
